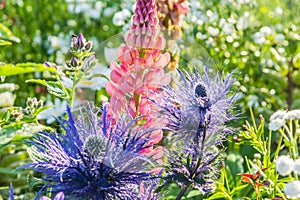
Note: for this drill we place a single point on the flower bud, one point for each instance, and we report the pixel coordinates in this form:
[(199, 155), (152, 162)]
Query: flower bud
[(80, 42), (88, 46), (73, 62)]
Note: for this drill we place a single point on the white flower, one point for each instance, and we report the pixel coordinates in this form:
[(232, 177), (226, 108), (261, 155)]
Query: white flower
[(279, 114), (276, 124), (284, 165), (57, 109), (259, 38), (213, 31), (120, 17), (228, 28), (292, 189), (7, 99), (279, 37), (266, 30), (292, 114), (297, 166)]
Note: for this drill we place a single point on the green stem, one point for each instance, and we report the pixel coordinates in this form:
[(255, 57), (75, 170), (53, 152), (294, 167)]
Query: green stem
[(278, 146), (226, 180)]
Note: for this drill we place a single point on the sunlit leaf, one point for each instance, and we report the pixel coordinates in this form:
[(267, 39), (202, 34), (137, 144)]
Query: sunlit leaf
[(23, 68)]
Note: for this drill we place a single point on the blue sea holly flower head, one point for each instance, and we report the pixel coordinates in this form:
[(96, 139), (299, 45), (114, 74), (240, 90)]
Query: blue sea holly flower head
[(95, 157), (198, 102)]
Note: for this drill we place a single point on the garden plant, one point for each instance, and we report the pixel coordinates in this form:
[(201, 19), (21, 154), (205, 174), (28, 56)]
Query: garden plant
[(149, 99)]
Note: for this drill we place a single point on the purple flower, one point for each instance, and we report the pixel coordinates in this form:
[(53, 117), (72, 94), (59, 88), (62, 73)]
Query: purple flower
[(196, 111), (58, 196), (95, 157), (198, 101), (11, 192)]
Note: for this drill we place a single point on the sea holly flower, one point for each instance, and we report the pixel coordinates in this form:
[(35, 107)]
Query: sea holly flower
[(94, 158), (198, 102)]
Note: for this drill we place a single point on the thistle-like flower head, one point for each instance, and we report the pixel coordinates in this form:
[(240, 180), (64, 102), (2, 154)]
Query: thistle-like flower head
[(198, 102), (94, 158)]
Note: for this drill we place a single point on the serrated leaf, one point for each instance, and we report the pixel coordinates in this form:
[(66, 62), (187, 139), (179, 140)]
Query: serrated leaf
[(23, 68), (56, 89)]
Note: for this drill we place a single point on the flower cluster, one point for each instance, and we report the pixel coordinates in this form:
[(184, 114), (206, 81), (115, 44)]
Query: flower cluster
[(285, 166), (141, 68), (95, 158), (280, 117)]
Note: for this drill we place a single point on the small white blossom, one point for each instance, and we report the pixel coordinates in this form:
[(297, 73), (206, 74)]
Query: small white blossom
[(292, 189), (213, 31), (292, 114), (120, 17), (279, 114), (284, 165), (279, 37), (276, 124), (266, 30), (259, 38), (7, 99), (297, 166)]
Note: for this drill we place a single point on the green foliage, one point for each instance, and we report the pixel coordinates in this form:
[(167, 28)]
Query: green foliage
[(22, 68)]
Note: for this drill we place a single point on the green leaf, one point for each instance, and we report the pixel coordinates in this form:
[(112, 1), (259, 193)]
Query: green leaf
[(56, 89), (41, 110), (237, 189), (39, 81), (235, 162), (17, 132), (219, 195), (4, 170), (23, 68), (3, 43), (6, 34), (193, 193)]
